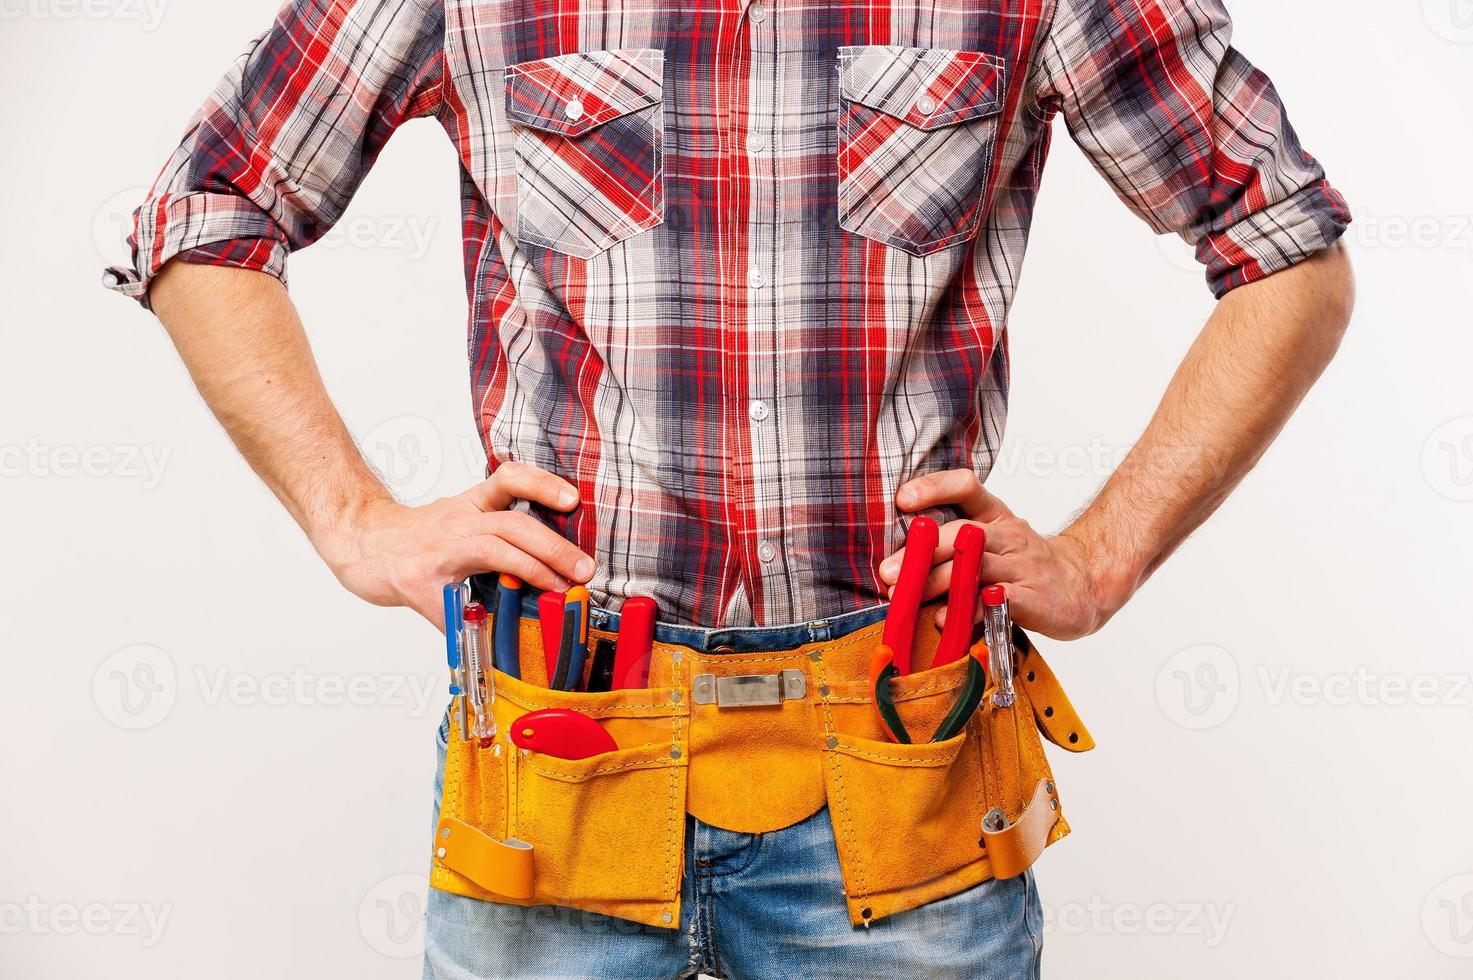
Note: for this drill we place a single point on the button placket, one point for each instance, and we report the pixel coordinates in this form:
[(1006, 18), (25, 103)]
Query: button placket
[(763, 275)]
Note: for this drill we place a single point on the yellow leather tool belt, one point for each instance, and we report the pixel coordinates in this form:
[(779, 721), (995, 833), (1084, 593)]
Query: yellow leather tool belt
[(755, 742)]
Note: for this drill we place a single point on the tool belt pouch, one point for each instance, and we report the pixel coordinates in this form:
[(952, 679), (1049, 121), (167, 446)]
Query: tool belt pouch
[(604, 834), (754, 743)]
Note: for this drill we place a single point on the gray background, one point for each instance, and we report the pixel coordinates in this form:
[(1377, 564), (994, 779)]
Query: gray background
[(214, 761)]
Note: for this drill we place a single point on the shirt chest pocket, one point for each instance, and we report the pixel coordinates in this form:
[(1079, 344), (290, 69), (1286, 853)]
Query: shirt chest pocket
[(589, 148), (917, 132)]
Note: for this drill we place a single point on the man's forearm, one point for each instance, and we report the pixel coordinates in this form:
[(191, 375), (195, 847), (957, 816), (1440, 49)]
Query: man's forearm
[(244, 345), (241, 339), (1263, 347)]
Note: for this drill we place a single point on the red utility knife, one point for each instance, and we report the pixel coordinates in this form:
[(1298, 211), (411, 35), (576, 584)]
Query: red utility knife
[(561, 733)]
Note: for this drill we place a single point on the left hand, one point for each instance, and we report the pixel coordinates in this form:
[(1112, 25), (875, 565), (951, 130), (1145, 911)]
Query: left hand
[(1051, 588)]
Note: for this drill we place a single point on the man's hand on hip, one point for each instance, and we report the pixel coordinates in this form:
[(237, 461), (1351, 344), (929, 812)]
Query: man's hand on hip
[(1050, 586), (394, 555)]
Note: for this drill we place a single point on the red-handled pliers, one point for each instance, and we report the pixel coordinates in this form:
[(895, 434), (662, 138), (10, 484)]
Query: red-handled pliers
[(910, 590), (961, 601), (899, 635)]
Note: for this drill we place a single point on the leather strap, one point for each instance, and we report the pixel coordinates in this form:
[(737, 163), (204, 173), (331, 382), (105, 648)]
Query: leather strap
[(1057, 719), (1012, 850), (500, 867)]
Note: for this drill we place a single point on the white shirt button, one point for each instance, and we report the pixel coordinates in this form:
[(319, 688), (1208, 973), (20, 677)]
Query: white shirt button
[(925, 105), (574, 109), (109, 280), (757, 12), (758, 411), (766, 551), (756, 142), (755, 278)]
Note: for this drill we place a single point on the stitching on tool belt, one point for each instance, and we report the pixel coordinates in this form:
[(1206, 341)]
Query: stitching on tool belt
[(929, 762), (654, 763), (848, 836), (670, 845)]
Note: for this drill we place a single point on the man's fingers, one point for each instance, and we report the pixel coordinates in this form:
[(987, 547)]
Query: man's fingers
[(522, 481), (960, 487), (528, 534), (489, 553), (945, 549)]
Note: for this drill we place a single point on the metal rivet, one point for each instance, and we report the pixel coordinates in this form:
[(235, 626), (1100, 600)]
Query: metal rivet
[(1049, 785), (1053, 804), (667, 918), (675, 697), (496, 750), (865, 912), (815, 656), (674, 753), (675, 657), (445, 832), (525, 753), (832, 742), (440, 854), (823, 689)]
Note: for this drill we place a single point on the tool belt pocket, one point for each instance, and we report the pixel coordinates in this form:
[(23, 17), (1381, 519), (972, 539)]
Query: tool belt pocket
[(903, 814), (605, 832)]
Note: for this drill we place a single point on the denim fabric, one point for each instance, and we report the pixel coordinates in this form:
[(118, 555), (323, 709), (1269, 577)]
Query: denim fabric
[(752, 905)]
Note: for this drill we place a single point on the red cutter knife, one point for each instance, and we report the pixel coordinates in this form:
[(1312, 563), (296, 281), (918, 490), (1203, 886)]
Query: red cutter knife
[(561, 733)]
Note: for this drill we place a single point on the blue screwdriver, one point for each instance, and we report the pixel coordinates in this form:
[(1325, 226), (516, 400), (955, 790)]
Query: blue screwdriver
[(506, 635)]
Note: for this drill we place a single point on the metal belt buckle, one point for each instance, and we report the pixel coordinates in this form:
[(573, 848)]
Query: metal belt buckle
[(749, 690)]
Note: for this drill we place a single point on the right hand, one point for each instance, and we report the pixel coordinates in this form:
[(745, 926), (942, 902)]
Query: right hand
[(391, 554)]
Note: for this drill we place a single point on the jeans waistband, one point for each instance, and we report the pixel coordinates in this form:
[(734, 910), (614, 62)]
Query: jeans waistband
[(741, 639), (717, 639)]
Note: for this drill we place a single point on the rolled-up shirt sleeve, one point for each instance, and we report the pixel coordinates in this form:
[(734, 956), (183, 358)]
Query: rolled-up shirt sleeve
[(275, 154), (1194, 139)]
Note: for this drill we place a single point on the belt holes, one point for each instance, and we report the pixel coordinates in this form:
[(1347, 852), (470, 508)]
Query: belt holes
[(1030, 676), (1048, 712), (1073, 737)]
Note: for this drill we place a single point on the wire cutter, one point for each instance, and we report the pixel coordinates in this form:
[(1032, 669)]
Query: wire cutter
[(892, 656)]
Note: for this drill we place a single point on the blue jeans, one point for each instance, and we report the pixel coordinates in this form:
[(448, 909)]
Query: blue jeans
[(752, 905)]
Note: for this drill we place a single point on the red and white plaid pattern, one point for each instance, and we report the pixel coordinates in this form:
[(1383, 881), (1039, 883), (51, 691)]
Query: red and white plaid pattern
[(738, 268)]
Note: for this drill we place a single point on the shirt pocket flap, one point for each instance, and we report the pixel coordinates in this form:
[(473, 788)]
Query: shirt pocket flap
[(924, 87), (573, 93)]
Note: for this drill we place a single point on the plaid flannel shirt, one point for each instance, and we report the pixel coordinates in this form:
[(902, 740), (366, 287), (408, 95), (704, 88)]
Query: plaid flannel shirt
[(739, 268)]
